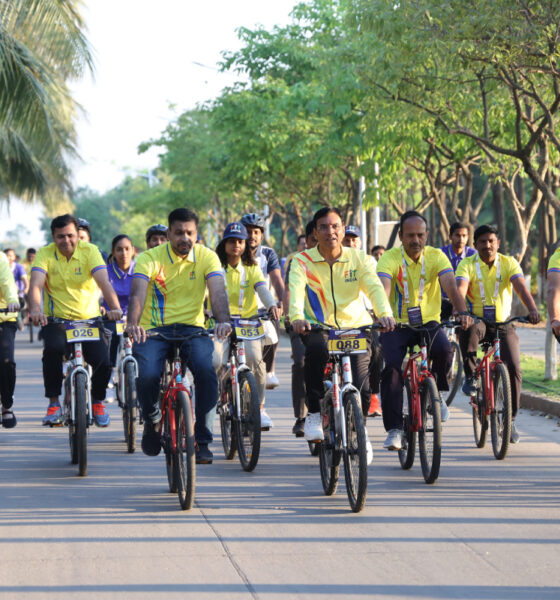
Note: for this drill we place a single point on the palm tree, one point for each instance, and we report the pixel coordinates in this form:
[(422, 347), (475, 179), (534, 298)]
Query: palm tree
[(42, 48)]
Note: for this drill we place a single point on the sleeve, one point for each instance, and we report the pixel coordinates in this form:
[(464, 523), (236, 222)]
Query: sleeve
[(7, 282), (373, 288), (385, 267), (257, 278), (21, 271), (514, 269), (287, 276), (212, 265), (272, 261), (463, 270), (266, 297), (443, 264), (554, 263), (95, 260), (298, 281), (144, 268), (41, 262)]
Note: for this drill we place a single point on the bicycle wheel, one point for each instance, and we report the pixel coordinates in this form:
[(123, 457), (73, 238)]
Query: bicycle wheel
[(248, 427), (30, 325), (67, 420), (355, 457), (500, 418), (169, 456), (226, 406), (185, 461), (455, 375), (78, 428), (329, 456), (479, 417), (408, 450), (130, 409), (429, 436)]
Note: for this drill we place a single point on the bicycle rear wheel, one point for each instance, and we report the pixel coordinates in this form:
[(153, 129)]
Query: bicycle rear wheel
[(479, 417), (185, 461), (78, 427), (355, 457), (130, 409), (226, 406), (170, 458), (248, 426), (429, 436), (329, 455), (408, 450), (500, 418), (455, 375)]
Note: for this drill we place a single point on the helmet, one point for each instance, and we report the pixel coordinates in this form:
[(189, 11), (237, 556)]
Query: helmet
[(83, 224), (155, 229), (253, 220)]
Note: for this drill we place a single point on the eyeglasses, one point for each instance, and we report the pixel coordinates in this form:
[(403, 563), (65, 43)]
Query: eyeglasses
[(327, 227)]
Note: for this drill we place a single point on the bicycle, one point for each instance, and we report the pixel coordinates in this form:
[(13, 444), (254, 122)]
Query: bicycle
[(456, 370), (127, 372), (344, 434), (492, 398), (421, 408), (239, 402), (177, 431)]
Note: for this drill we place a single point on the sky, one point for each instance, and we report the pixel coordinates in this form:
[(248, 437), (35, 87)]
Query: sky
[(148, 55)]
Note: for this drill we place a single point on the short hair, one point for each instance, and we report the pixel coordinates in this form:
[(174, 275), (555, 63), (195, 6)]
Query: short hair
[(31, 251), (63, 221), (309, 228), (301, 236), (485, 229), (409, 214), (459, 225), (6, 250), (323, 212), (378, 247), (183, 215)]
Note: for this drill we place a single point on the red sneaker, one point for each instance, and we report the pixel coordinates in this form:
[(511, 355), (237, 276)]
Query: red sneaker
[(374, 406)]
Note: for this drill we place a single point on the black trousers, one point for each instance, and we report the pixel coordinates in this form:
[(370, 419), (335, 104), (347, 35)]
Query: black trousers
[(7, 363), (55, 348), (375, 363)]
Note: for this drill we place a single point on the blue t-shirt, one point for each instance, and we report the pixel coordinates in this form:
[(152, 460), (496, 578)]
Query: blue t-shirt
[(455, 259), (121, 282), (267, 259)]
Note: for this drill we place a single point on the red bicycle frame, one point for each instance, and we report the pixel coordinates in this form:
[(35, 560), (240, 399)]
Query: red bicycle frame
[(174, 386), (417, 378), (489, 366)]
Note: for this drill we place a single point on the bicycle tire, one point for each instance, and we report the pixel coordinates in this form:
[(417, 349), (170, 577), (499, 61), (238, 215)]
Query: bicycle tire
[(169, 456), (329, 456), (185, 459), (30, 325), (408, 450), (130, 410), (355, 457), (479, 417), (313, 448), (248, 426), (80, 425), (226, 407), (429, 436), (500, 418), (67, 419), (455, 373)]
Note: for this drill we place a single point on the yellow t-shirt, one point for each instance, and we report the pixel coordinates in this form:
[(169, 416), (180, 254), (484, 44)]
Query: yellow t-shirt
[(322, 294), (176, 285), (253, 278), (70, 290), (554, 262), (509, 270), (390, 266), (8, 289)]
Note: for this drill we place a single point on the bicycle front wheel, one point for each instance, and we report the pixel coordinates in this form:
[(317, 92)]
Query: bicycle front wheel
[(500, 418), (408, 450), (226, 407), (185, 460), (429, 437), (479, 418), (248, 426), (355, 457), (130, 409), (78, 428), (455, 375), (329, 454)]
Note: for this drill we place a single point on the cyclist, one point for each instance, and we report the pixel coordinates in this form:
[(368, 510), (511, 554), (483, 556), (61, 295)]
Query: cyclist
[(298, 349), (20, 275), (325, 286), (455, 251), (68, 272), (173, 278), (8, 327), (352, 237), (553, 292), (156, 235), (486, 280), (30, 254), (270, 266), (413, 276), (377, 252), (244, 280)]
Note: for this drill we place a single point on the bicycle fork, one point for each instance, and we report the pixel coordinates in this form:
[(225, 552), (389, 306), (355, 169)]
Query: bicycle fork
[(77, 366), (127, 358)]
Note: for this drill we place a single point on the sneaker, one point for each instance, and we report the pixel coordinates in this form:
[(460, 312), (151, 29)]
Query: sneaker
[(53, 416), (271, 381), (8, 420), (445, 414), (313, 429), (514, 436), (394, 440), (298, 428), (204, 455), (469, 387), (374, 406), (100, 415), (369, 447), (266, 421), (151, 440)]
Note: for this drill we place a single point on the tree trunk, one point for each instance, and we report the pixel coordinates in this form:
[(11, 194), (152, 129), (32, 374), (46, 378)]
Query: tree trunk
[(499, 213)]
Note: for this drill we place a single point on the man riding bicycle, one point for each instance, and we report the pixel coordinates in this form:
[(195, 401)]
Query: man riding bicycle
[(325, 289), (412, 275), (486, 280), (173, 278)]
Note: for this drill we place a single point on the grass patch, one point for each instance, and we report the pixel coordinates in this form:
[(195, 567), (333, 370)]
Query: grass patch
[(533, 378)]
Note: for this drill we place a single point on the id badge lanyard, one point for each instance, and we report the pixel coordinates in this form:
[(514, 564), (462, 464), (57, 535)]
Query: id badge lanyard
[(405, 280), (481, 282), (241, 287)]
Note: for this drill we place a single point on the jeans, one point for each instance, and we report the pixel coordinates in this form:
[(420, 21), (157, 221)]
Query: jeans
[(7, 363), (197, 354)]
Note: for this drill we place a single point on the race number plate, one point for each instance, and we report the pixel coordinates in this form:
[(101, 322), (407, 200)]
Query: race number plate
[(119, 325), (351, 341), (248, 330), (81, 332)]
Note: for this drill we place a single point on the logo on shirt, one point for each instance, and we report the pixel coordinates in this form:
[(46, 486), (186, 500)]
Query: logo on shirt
[(77, 270), (192, 275), (350, 275)]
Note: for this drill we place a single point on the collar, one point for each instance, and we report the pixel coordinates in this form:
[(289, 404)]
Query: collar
[(119, 272), (174, 258), (315, 256), (409, 260)]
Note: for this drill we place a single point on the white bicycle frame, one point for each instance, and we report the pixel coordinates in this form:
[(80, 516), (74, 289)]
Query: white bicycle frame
[(74, 366), (126, 346)]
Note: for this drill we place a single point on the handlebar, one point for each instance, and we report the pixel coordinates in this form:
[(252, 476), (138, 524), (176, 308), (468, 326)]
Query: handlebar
[(366, 328), (522, 319), (443, 324), (58, 321), (174, 338)]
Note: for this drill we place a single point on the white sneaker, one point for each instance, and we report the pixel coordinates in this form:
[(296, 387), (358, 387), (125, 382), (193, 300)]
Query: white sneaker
[(266, 421), (444, 411), (369, 448), (313, 430), (271, 381), (394, 440)]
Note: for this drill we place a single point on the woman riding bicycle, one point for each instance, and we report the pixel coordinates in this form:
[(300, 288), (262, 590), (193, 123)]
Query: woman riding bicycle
[(244, 280)]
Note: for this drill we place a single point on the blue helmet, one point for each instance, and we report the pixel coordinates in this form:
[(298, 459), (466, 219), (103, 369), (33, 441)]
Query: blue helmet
[(253, 220)]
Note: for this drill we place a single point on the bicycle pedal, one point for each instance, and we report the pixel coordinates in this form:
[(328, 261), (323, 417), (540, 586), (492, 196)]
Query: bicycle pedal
[(265, 428)]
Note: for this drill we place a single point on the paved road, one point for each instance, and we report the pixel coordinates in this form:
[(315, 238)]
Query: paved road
[(487, 529)]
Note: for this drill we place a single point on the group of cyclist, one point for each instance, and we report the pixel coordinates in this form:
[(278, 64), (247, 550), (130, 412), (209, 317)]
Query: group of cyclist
[(329, 282)]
